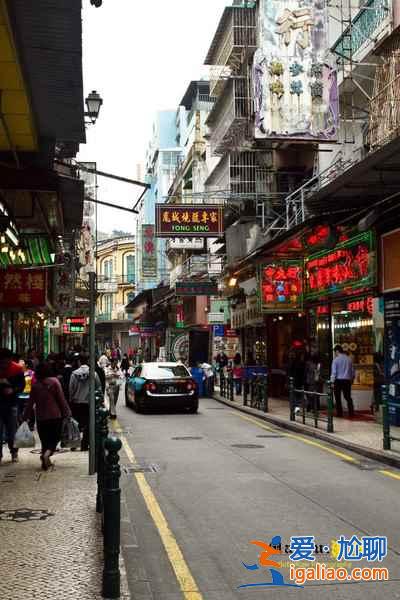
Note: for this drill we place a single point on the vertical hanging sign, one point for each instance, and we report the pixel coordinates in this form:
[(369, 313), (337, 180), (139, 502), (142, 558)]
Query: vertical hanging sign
[(149, 252), (87, 241)]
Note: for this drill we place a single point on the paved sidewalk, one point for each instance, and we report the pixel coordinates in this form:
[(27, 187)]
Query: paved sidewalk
[(50, 533), (362, 436)]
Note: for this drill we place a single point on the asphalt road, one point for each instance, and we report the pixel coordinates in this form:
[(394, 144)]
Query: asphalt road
[(188, 521)]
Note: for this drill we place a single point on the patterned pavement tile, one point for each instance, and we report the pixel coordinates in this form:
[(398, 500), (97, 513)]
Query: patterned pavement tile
[(50, 530)]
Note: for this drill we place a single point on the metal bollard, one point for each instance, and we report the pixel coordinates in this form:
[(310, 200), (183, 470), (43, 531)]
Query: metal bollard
[(231, 395), (304, 400), (245, 391), (385, 418), (330, 408), (112, 519), (103, 434), (265, 393), (292, 399)]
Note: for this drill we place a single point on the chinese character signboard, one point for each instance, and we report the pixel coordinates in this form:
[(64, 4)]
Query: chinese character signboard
[(294, 79), (87, 241), (348, 267), (74, 325), (188, 221), (20, 288), (64, 286), (196, 288), (149, 252), (281, 285)]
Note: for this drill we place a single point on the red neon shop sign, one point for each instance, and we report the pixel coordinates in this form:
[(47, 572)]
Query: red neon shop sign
[(281, 286), (350, 265)]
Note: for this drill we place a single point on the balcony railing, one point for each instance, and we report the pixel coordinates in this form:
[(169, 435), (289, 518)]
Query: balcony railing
[(229, 118), (113, 316), (200, 264), (110, 285), (363, 28), (237, 32)]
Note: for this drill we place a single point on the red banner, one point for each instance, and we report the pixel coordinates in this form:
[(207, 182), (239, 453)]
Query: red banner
[(181, 220), (22, 288)]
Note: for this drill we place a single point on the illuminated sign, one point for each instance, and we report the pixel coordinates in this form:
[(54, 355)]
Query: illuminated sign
[(281, 284), (196, 288), (350, 266), (74, 325), (362, 305), (181, 220), (20, 288)]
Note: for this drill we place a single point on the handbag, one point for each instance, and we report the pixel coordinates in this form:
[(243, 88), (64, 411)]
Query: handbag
[(70, 434), (24, 437)]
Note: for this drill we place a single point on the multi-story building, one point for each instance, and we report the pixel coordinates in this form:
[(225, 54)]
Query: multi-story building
[(320, 165), (163, 155), (116, 287)]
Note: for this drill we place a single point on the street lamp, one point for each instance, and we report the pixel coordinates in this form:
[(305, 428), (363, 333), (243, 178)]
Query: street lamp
[(93, 104)]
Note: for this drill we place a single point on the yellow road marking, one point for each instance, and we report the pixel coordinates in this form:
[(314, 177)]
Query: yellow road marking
[(181, 569), (390, 474), (300, 438)]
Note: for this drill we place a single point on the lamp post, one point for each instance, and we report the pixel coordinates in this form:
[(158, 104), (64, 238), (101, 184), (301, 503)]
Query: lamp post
[(93, 104)]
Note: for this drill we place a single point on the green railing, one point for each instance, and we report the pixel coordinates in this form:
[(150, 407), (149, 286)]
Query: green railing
[(362, 28), (306, 405)]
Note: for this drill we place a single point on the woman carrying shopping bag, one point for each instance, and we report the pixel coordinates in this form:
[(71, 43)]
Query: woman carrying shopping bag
[(113, 383), (48, 402)]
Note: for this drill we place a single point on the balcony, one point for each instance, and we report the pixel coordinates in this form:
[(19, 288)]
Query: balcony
[(236, 35), (369, 24), (115, 315), (202, 264), (109, 285), (229, 118)]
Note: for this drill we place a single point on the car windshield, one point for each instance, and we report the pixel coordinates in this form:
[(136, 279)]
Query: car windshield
[(165, 371)]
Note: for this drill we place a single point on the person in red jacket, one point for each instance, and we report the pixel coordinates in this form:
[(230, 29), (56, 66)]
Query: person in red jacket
[(12, 383), (48, 400)]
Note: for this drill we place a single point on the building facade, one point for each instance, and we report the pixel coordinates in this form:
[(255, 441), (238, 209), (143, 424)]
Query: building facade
[(116, 287)]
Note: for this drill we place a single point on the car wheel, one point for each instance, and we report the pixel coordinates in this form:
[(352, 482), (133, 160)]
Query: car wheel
[(193, 408)]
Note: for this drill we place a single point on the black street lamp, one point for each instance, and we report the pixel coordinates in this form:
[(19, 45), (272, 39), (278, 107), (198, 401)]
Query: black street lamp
[(93, 104)]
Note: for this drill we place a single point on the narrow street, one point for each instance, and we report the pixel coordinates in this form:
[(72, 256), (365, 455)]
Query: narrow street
[(223, 479)]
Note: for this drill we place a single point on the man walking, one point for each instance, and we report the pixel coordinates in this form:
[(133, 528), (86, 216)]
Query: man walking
[(79, 397), (12, 383), (342, 376)]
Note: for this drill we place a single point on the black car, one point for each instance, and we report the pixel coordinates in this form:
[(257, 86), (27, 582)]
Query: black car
[(161, 385)]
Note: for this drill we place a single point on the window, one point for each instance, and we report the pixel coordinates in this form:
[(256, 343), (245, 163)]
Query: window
[(108, 305), (130, 297), (164, 371), (108, 268), (129, 268)]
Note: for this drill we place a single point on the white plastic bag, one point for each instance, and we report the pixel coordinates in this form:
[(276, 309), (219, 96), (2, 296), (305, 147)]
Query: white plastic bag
[(70, 435), (24, 437)]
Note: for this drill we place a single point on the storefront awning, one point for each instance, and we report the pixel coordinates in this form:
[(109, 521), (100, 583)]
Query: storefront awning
[(369, 181)]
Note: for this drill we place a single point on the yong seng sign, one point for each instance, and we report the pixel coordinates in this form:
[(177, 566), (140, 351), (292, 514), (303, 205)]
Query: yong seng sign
[(188, 221)]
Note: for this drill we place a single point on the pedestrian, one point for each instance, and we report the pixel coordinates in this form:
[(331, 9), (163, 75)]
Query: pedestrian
[(113, 381), (221, 362), (342, 376), (79, 397), (237, 373), (312, 379), (103, 361), (102, 376), (12, 383), (48, 403), (125, 365)]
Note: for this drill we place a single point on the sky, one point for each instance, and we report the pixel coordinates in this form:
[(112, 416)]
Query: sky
[(140, 56)]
